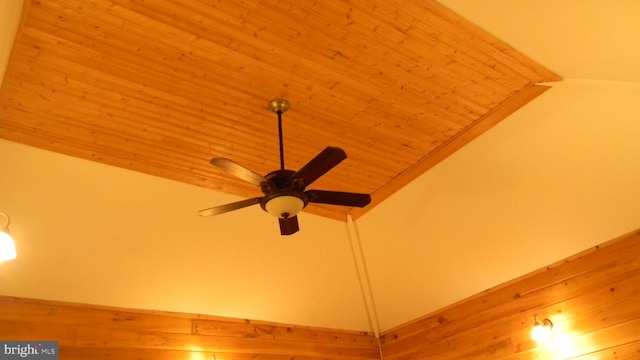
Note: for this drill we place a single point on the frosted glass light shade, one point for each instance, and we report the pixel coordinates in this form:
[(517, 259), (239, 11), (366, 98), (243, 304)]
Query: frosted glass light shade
[(284, 206)]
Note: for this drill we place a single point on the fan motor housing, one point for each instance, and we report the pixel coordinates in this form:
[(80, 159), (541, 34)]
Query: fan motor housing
[(281, 180), (281, 183)]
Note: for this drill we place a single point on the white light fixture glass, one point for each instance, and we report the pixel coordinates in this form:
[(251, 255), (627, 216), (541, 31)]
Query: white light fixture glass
[(7, 245), (541, 331), (284, 206)]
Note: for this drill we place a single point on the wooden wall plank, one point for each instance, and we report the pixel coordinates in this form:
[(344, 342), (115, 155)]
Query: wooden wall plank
[(85, 353), (252, 329), (15, 309), (136, 339), (625, 352), (19, 330)]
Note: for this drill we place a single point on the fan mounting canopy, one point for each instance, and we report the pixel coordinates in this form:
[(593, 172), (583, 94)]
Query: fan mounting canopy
[(279, 106)]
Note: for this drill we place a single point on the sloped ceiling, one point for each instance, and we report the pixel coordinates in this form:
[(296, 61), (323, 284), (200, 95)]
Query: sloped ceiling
[(557, 176), (161, 88)]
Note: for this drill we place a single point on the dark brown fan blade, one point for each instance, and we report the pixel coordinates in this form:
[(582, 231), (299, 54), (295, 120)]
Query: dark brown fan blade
[(216, 210), (338, 198), (289, 225), (238, 170), (319, 165)]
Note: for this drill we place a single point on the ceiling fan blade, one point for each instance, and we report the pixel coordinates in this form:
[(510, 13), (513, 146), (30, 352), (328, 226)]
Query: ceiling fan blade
[(289, 225), (216, 210), (238, 170), (338, 198), (319, 165)]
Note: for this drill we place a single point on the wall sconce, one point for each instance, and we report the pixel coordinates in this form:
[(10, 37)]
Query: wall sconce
[(541, 331), (7, 246)]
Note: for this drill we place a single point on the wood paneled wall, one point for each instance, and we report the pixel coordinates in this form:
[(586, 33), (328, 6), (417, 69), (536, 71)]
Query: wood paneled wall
[(593, 300), (90, 332)]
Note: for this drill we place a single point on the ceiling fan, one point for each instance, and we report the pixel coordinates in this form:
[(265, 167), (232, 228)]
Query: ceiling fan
[(284, 190)]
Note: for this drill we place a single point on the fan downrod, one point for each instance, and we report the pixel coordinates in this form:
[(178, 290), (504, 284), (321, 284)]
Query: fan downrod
[(279, 106)]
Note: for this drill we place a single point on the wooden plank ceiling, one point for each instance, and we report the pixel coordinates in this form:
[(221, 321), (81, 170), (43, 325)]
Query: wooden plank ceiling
[(161, 87)]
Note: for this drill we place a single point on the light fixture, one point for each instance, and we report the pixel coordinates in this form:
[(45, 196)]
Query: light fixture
[(284, 206), (541, 331), (7, 246)]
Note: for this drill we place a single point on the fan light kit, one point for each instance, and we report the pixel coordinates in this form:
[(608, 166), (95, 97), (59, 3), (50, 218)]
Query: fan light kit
[(284, 190)]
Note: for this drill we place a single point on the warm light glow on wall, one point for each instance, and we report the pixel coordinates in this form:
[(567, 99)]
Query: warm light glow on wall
[(197, 353), (542, 330), (563, 347), (562, 342)]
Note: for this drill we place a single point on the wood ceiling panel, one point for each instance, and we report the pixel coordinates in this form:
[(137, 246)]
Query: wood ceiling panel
[(162, 87)]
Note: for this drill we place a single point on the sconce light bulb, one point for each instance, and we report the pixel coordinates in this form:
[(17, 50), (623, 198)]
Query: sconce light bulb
[(7, 246), (541, 331)]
